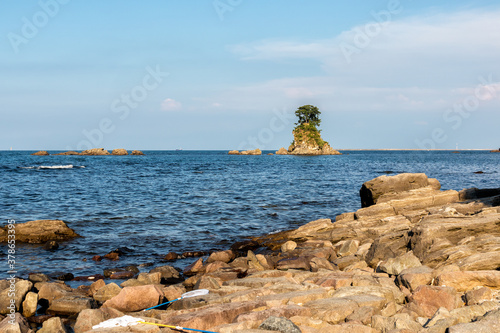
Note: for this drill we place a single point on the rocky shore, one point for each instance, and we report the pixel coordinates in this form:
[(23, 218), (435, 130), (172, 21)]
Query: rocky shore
[(412, 259)]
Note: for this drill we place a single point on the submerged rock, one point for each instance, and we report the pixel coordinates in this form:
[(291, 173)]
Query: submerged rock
[(40, 231)]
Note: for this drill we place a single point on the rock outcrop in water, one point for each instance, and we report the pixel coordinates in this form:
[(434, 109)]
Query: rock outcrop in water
[(413, 259), (246, 152), (41, 153), (38, 232), (307, 141), (93, 152)]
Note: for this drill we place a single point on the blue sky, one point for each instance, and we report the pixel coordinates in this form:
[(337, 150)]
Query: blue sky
[(229, 74)]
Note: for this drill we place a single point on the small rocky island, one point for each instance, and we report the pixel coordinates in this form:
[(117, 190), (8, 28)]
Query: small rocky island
[(306, 136), (92, 152)]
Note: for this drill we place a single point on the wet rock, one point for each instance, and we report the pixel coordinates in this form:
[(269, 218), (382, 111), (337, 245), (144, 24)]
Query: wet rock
[(122, 275), (95, 152), (70, 305), (132, 299), (20, 325), (51, 245), (280, 324), (41, 153), (62, 276), (171, 256), (112, 256), (30, 304), (426, 300), (224, 256), (194, 268), (394, 266), (245, 246), (119, 152), (53, 325), (97, 258), (19, 288), (194, 254), (40, 231), (136, 152), (107, 292), (38, 277), (52, 290)]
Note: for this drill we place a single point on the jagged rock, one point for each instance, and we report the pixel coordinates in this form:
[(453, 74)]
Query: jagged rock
[(414, 277), (478, 296), (332, 310), (52, 290), (88, 318), (463, 281), (41, 153), (95, 152), (53, 325), (282, 151), (348, 247), (490, 322), (224, 256), (280, 324), (136, 152), (194, 268), (40, 231), (119, 152)]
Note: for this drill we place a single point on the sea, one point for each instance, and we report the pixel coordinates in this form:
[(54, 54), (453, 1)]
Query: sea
[(177, 201)]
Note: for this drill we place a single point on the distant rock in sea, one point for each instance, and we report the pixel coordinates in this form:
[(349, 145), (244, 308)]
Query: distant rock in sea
[(136, 152), (68, 153), (308, 141), (495, 151), (246, 152), (119, 152), (282, 151), (95, 152), (41, 153)]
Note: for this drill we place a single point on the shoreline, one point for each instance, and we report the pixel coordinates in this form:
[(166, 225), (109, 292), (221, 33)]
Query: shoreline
[(402, 258)]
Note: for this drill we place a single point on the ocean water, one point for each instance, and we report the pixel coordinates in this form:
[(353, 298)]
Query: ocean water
[(196, 200)]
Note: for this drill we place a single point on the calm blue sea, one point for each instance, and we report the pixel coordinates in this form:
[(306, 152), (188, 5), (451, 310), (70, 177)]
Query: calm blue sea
[(196, 200)]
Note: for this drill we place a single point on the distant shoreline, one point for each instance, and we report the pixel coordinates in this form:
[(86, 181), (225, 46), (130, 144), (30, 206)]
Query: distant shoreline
[(340, 149)]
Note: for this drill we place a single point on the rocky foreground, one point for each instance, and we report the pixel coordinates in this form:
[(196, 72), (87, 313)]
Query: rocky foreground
[(413, 259)]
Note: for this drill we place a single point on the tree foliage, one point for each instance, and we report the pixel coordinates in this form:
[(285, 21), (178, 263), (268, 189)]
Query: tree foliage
[(308, 114)]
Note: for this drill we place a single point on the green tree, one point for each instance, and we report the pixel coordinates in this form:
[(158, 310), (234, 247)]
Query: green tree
[(308, 114)]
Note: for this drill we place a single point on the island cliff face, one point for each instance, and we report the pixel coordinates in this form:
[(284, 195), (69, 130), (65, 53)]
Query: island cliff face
[(307, 141)]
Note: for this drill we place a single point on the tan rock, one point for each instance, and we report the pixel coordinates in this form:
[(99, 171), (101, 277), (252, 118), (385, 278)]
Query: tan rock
[(194, 268), (135, 298), (70, 305), (397, 323), (348, 247), (41, 153), (331, 310), (224, 256), (234, 152), (53, 325), (53, 290), (18, 324), (282, 151), (288, 246), (136, 152), (95, 151), (207, 282), (30, 304), (463, 281), (107, 292), (119, 151), (96, 286), (426, 300), (389, 293), (40, 231), (21, 289), (88, 318), (478, 296), (413, 277), (395, 266)]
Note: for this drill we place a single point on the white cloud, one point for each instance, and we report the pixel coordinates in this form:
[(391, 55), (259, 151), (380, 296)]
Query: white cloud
[(170, 104), (423, 63)]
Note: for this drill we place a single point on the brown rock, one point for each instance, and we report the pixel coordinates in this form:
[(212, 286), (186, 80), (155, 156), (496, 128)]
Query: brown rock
[(40, 231), (375, 188), (30, 304), (132, 299), (288, 246), (41, 153), (122, 275), (88, 318), (107, 292), (70, 305), (71, 152), (52, 290), (119, 152), (282, 151), (425, 300), (478, 296), (414, 277), (331, 310), (18, 324), (233, 152), (213, 315), (53, 325), (168, 273), (194, 268), (21, 289), (207, 282), (363, 314), (95, 286), (136, 152), (224, 256), (171, 256), (215, 266), (302, 263), (95, 152), (394, 266)]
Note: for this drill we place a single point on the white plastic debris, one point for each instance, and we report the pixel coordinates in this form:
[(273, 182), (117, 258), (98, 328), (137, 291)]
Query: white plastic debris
[(123, 321)]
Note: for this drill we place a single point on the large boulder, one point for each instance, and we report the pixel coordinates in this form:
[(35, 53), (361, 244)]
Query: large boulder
[(372, 190), (14, 293), (40, 231), (136, 298)]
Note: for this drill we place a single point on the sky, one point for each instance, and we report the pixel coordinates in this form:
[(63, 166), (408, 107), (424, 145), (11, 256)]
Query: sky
[(229, 74)]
